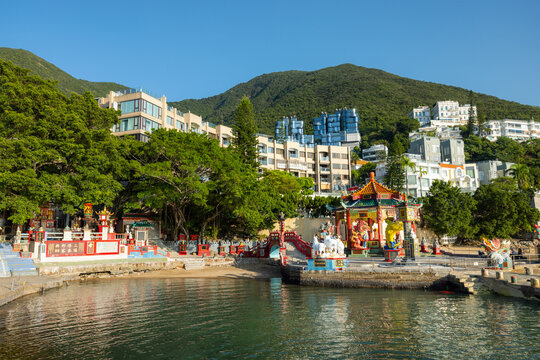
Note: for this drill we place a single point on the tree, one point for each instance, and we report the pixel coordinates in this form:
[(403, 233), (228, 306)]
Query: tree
[(54, 148), (472, 116), (359, 176), (503, 211), (408, 164), (421, 173), (193, 181), (245, 133), (395, 174), (448, 211), (522, 175)]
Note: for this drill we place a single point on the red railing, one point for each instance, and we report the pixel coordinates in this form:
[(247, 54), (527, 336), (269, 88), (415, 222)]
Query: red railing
[(301, 245)]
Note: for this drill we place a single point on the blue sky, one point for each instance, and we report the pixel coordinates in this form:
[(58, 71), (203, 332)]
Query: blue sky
[(201, 48)]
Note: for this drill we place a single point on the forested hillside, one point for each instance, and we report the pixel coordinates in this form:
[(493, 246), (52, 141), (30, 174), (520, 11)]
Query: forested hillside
[(66, 82), (382, 100)]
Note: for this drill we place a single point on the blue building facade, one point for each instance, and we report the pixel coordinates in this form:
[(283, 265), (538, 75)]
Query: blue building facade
[(339, 128), (292, 129)]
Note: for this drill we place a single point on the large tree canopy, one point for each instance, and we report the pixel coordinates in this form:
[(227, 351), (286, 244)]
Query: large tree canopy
[(54, 148)]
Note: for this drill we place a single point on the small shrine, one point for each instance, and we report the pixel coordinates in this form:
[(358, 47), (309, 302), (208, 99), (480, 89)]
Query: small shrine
[(378, 220)]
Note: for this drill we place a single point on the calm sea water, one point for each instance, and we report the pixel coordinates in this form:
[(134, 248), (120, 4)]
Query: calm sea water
[(229, 319)]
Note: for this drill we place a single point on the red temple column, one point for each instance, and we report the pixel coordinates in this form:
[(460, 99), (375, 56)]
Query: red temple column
[(349, 228), (380, 227), (336, 222)]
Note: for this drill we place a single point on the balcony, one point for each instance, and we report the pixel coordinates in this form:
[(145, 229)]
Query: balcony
[(297, 166)]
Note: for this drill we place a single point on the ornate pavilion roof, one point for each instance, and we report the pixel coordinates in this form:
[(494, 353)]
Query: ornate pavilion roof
[(372, 195)]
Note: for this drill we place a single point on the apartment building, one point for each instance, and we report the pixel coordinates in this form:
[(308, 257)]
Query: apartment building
[(428, 147), (449, 112), (339, 128), (375, 153), (292, 129), (445, 113), (464, 176), (142, 113), (422, 114), (520, 130), (327, 165), (492, 169), (453, 151)]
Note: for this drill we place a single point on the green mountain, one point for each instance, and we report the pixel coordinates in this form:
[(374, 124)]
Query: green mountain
[(382, 100), (66, 82)]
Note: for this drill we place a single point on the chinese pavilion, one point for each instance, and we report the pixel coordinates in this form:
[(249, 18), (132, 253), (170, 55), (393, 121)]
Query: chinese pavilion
[(367, 213)]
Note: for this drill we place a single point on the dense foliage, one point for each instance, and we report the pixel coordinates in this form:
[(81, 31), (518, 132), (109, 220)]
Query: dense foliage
[(448, 211), (499, 209), (202, 188), (53, 147), (244, 139), (66, 83), (383, 100), (505, 149)]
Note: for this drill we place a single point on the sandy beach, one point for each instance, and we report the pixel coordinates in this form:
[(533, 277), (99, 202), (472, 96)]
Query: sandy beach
[(227, 271)]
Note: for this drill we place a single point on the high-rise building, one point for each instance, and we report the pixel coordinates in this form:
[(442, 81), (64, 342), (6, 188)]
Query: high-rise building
[(327, 165), (292, 129), (339, 128)]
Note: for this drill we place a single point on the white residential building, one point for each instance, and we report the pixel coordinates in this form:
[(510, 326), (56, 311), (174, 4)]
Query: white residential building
[(520, 130), (375, 153), (450, 113), (420, 180), (422, 114), (445, 113)]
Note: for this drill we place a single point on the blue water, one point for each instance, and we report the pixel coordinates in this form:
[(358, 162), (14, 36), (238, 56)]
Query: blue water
[(238, 319)]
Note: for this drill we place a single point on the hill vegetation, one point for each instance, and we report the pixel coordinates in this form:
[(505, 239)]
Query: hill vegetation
[(382, 100), (66, 83)]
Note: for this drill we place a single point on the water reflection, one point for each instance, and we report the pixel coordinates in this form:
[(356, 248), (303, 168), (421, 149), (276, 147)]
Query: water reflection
[(211, 318)]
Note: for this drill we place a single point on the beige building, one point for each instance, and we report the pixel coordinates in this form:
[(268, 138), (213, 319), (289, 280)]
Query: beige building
[(142, 113), (328, 165)]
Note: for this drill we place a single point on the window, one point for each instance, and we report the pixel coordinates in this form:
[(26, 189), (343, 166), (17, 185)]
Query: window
[(302, 154), (151, 109), (435, 170), (130, 106), (344, 156), (336, 166), (270, 150), (425, 183), (180, 125), (169, 121), (270, 161), (412, 179), (280, 152), (470, 173), (344, 166), (335, 156), (311, 155)]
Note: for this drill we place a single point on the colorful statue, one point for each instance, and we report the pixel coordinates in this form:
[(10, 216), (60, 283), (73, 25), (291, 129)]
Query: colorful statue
[(393, 228), (360, 234), (498, 252)]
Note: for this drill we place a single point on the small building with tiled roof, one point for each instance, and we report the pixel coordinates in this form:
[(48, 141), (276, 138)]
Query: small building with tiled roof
[(369, 206)]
